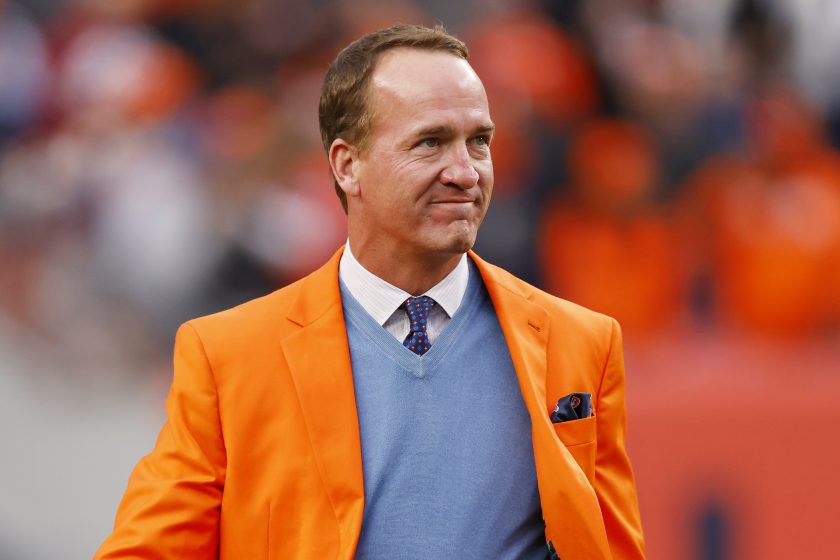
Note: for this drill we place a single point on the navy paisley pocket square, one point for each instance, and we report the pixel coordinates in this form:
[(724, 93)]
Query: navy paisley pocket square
[(572, 407)]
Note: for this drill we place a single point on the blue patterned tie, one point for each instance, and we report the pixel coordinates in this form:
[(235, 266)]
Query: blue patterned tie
[(418, 309)]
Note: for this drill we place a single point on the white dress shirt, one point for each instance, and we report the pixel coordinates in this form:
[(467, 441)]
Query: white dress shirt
[(382, 300)]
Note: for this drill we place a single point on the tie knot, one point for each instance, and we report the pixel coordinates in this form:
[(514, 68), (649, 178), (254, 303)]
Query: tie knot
[(418, 309)]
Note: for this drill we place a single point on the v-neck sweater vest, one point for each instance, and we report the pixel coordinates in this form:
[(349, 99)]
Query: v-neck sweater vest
[(446, 440)]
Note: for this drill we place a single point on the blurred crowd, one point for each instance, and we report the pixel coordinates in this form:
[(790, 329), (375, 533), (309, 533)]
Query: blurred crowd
[(669, 162)]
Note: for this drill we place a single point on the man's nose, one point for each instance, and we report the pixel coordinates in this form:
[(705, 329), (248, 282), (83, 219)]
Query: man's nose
[(460, 171)]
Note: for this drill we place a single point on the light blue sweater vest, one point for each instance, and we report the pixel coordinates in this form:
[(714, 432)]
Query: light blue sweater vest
[(446, 441)]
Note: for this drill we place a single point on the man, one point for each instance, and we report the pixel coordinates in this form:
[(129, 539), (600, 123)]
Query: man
[(400, 401)]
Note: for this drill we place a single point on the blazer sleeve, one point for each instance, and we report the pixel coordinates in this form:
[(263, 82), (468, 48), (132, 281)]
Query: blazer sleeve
[(614, 482), (171, 508)]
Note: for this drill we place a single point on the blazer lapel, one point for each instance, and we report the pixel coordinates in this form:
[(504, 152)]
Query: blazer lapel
[(318, 357), (570, 506)]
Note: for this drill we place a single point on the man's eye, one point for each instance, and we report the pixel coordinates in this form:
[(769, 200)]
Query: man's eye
[(482, 140), (429, 142)]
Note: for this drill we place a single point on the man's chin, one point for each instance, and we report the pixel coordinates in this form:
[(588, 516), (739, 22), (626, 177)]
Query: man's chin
[(455, 238), (459, 243)]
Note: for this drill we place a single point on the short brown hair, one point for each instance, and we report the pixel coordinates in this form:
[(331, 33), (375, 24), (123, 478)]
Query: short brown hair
[(343, 109)]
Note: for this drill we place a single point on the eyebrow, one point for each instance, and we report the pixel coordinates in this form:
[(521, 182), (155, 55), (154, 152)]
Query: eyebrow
[(489, 127), (448, 130)]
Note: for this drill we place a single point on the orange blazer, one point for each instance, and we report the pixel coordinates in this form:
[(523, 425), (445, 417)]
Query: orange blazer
[(260, 455)]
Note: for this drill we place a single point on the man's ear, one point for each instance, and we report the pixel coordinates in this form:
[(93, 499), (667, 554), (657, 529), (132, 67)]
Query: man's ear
[(344, 160)]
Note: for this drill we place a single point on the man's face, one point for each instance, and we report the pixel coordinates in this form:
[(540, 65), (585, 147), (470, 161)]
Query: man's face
[(425, 177)]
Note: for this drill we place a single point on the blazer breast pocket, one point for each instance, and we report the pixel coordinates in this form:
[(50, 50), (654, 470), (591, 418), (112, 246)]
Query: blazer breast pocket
[(579, 438)]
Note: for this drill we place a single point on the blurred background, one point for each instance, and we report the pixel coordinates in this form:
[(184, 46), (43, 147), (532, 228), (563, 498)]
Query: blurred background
[(672, 163)]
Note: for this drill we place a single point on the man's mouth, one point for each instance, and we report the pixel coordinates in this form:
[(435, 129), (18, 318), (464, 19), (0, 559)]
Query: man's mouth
[(454, 201)]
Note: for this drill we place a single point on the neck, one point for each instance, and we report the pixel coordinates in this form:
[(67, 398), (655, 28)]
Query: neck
[(412, 273)]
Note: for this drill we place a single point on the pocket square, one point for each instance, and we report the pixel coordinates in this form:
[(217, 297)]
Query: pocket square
[(572, 407)]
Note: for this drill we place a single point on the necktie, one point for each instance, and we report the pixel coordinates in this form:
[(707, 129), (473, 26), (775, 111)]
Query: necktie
[(418, 309)]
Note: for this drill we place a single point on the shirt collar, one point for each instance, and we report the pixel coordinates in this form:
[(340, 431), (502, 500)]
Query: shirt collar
[(380, 299)]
